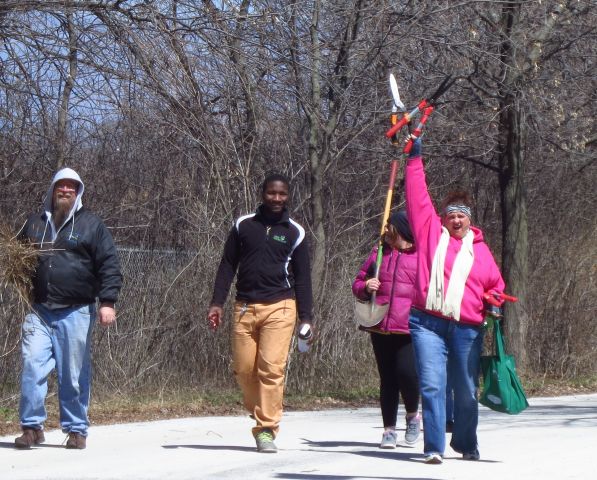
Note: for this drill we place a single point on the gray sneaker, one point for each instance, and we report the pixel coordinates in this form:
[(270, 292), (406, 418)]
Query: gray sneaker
[(413, 430), (388, 439), (265, 441)]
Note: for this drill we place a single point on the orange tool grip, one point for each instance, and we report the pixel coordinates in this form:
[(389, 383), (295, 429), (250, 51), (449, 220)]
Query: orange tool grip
[(403, 121)]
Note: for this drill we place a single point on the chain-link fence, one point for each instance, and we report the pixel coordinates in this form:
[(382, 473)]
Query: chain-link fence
[(161, 341)]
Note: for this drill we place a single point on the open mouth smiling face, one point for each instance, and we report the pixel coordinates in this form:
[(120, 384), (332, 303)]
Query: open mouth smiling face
[(457, 224)]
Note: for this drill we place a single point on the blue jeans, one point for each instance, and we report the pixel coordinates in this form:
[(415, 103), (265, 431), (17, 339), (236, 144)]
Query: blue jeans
[(449, 401), (441, 344), (58, 339)]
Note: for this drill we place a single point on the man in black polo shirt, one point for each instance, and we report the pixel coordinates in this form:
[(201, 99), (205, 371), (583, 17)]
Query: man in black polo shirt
[(268, 252)]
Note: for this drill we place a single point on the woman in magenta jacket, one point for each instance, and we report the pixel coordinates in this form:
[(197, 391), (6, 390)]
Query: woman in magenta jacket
[(390, 338), (455, 268)]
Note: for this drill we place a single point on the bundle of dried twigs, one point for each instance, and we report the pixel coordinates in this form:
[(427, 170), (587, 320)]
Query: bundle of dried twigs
[(17, 263)]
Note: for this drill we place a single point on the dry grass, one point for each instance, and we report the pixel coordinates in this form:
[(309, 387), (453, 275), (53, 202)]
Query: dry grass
[(17, 263)]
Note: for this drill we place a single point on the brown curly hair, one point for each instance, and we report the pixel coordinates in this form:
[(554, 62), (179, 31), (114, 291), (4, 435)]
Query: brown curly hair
[(456, 197)]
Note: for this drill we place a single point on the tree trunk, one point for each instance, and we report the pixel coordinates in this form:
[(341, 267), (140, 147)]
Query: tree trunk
[(317, 162), (515, 266), (515, 260), (69, 82)]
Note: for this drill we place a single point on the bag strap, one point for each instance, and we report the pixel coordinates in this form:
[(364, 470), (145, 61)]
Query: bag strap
[(499, 339)]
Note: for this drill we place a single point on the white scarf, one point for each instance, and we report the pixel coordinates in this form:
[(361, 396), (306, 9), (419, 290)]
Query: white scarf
[(450, 305)]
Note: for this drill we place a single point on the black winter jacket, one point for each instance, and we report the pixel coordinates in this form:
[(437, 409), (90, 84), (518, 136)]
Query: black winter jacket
[(263, 249), (79, 266)]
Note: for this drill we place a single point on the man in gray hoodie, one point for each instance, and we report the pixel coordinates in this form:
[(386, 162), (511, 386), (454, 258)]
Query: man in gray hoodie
[(77, 264)]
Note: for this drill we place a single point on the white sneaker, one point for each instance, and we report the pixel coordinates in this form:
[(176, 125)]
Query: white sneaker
[(433, 459), (388, 439)]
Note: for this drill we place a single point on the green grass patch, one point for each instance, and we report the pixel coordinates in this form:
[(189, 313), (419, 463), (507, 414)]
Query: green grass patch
[(7, 413), (9, 420)]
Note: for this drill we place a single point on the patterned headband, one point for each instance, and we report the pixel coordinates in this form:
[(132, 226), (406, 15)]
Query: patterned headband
[(458, 208)]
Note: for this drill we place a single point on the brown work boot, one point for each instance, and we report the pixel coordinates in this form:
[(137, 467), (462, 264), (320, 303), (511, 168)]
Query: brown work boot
[(30, 437), (76, 441)]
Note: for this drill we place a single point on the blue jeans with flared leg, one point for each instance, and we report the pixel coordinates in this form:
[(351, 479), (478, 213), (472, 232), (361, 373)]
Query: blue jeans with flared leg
[(441, 344), (60, 339)]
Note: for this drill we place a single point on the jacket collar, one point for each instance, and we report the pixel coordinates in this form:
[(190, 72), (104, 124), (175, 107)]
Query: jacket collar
[(265, 217)]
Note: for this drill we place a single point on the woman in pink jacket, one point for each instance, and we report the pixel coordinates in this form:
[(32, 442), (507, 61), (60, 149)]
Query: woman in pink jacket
[(390, 338), (455, 268)]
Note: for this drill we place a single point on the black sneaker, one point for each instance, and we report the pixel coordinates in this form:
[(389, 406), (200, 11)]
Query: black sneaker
[(472, 456)]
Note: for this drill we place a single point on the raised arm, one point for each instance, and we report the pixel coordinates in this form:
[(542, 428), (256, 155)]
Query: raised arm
[(420, 209)]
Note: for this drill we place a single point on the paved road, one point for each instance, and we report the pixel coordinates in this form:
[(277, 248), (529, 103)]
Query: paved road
[(556, 438)]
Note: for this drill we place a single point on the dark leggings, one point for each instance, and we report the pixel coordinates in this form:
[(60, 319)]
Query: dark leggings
[(397, 373)]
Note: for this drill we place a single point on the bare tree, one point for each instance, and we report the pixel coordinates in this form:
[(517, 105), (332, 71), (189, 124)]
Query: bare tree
[(521, 54), (177, 109), (69, 83)]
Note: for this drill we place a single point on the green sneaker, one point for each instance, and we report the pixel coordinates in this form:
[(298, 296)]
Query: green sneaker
[(265, 441)]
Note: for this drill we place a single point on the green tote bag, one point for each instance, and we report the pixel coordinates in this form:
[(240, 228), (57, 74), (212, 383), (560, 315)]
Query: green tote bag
[(502, 390)]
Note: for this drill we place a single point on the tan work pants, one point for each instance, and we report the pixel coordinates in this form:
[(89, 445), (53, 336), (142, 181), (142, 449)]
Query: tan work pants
[(260, 341)]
